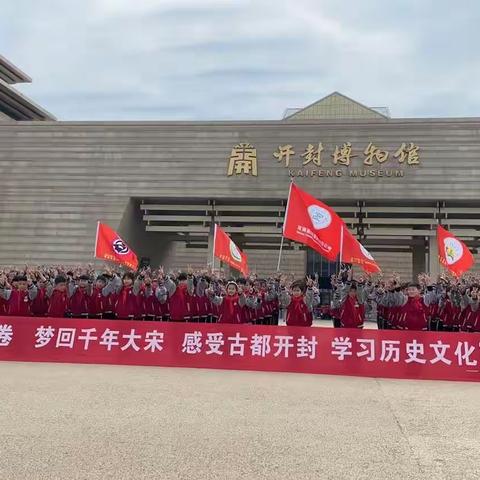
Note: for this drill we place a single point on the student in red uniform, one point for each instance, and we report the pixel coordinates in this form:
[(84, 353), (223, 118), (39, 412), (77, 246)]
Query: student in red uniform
[(99, 299), (193, 303), (446, 311), (111, 295), (299, 303), (144, 289), (157, 307), (40, 302), (230, 304), (218, 288), (268, 296), (474, 305), (126, 296), (350, 301), (160, 291), (272, 300), (352, 311), (3, 306), (57, 297), (178, 294), (469, 305), (203, 301), (147, 300), (413, 306), (79, 297), (253, 314), (245, 310), (19, 297)]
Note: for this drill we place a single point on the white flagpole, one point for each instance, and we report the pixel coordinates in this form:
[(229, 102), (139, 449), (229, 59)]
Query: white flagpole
[(341, 249), (283, 228), (213, 249), (280, 254), (96, 240)]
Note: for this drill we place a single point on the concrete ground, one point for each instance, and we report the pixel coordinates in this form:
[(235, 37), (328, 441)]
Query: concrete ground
[(62, 421)]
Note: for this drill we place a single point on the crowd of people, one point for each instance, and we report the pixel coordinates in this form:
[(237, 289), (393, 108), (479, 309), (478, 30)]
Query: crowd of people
[(204, 296)]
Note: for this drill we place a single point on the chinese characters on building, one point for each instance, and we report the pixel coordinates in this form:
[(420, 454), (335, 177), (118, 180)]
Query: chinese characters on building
[(407, 154), (243, 158)]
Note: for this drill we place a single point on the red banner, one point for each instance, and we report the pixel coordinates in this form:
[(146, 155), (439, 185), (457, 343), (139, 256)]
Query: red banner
[(452, 253), (225, 249), (109, 246), (354, 252), (311, 222), (368, 353)]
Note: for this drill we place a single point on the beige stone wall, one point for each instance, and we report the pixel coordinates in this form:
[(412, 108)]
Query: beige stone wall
[(57, 179)]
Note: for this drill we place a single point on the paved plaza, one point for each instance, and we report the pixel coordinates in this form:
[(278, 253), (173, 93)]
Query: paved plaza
[(63, 421)]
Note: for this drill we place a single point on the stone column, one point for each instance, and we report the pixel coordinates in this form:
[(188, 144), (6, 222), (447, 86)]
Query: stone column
[(433, 263), (210, 247), (419, 257)]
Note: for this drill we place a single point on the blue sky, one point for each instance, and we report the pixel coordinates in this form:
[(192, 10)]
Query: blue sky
[(240, 60)]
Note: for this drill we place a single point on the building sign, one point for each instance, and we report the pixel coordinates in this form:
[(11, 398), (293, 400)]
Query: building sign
[(314, 160), (243, 159)]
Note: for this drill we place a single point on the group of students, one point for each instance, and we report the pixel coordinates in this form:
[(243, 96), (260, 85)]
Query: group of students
[(145, 295), (449, 304), (155, 296), (205, 297)]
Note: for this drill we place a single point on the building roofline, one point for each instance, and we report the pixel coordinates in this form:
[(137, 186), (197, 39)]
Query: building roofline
[(329, 95), (19, 107), (260, 123), (11, 74)]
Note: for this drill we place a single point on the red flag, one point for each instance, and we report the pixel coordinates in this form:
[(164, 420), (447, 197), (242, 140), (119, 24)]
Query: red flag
[(109, 246), (228, 252), (311, 222), (354, 252), (452, 253)]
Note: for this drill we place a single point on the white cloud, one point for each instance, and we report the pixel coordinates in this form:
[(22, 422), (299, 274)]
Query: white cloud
[(173, 59)]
